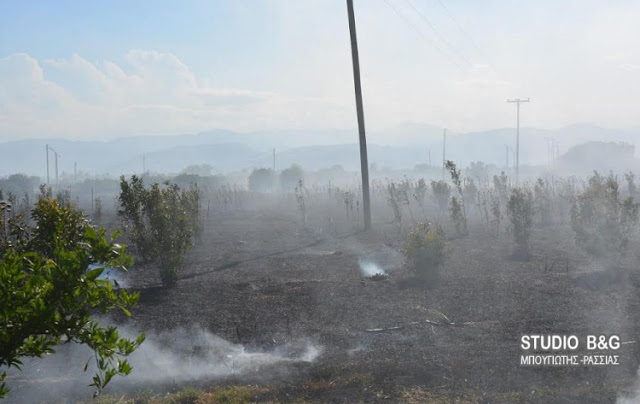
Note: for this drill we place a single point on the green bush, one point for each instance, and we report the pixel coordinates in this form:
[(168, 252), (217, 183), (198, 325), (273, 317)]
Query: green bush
[(520, 212), (441, 191), (48, 294), (426, 251), (162, 222), (262, 180), (458, 208), (542, 198), (602, 221)]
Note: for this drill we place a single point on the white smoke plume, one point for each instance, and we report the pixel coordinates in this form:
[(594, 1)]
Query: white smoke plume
[(634, 397), (370, 268), (177, 356)]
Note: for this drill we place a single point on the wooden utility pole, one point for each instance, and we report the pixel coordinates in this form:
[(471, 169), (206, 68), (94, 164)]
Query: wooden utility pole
[(47, 164), (364, 163), (56, 155), (518, 101), (444, 145), (507, 155)]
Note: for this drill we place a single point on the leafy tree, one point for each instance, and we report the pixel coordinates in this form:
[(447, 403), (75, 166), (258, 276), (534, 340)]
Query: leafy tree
[(632, 189), (441, 192), (290, 177), (501, 185), (601, 220), (520, 212), (479, 171), (426, 251), (162, 221), (262, 180), (542, 197), (458, 209), (49, 294), (202, 170)]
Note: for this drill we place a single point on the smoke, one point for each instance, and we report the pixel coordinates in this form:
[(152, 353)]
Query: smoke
[(185, 355), (370, 268), (632, 398), (178, 356)]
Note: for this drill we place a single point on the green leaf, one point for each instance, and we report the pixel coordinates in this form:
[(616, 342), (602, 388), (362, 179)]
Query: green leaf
[(95, 273)]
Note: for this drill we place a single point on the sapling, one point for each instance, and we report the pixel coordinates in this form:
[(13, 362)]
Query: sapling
[(602, 220), (520, 212), (458, 210)]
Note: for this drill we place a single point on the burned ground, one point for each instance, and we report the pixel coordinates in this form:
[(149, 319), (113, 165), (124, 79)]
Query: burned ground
[(260, 279)]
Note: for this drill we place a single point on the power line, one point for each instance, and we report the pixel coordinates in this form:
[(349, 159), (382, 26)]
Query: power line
[(464, 32), (423, 36), (438, 34), (469, 37)]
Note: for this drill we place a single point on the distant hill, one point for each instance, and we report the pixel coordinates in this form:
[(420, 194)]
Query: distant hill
[(400, 147)]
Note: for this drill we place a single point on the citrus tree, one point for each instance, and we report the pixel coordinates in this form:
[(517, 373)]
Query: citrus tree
[(48, 294)]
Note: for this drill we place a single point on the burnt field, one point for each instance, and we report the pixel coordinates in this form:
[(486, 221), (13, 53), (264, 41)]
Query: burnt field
[(289, 299)]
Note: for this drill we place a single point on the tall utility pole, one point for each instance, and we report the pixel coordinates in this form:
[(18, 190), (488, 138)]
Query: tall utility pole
[(56, 155), (144, 164), (274, 160), (47, 165), (75, 171), (444, 145), (364, 163), (506, 147), (518, 101), (429, 158)]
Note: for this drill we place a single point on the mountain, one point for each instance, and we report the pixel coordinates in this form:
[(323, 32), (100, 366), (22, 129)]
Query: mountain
[(403, 146)]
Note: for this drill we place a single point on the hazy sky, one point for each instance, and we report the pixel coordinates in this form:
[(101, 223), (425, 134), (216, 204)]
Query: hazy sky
[(90, 69)]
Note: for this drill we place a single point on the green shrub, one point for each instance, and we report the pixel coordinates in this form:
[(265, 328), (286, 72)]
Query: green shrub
[(262, 180), (48, 294), (602, 221), (441, 191), (542, 198), (161, 221), (426, 251), (520, 212), (458, 209)]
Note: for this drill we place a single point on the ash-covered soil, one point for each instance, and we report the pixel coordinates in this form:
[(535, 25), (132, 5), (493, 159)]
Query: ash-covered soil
[(261, 280)]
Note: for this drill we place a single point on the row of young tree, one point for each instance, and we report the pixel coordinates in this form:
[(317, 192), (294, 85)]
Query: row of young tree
[(602, 219)]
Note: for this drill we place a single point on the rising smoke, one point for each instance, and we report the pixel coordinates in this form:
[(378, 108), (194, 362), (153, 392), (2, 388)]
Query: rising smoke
[(370, 268), (178, 356)]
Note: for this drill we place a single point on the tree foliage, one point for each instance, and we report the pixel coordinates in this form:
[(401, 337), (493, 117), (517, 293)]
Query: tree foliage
[(426, 251), (49, 294), (458, 208), (262, 180), (520, 212), (162, 221), (601, 219)]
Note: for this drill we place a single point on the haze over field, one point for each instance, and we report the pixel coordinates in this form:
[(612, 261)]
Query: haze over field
[(208, 154)]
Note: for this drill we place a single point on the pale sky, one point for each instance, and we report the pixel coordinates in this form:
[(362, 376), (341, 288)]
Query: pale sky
[(104, 69)]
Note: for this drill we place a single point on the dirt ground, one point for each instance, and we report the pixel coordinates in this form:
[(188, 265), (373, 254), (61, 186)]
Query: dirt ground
[(259, 278)]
